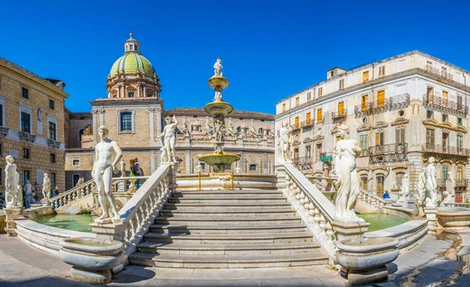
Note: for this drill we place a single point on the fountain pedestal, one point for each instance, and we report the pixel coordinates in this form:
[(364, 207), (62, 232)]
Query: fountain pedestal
[(431, 216), (349, 230), (11, 213)]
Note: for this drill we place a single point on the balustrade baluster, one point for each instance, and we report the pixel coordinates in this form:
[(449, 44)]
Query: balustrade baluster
[(329, 231), (322, 224)]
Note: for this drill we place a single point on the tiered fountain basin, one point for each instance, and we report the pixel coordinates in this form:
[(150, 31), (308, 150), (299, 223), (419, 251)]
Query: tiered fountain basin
[(92, 260), (217, 108), (364, 260), (78, 222), (453, 218), (219, 161)]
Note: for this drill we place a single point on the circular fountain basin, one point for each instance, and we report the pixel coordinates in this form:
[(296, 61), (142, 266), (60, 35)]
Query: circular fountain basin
[(453, 218), (366, 253), (218, 82), (218, 108), (219, 161)]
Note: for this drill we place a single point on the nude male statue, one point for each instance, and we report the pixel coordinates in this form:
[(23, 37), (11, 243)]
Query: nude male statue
[(46, 187), (107, 156), (11, 182), (169, 132)]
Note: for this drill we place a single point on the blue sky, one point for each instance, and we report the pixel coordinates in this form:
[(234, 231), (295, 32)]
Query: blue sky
[(271, 49)]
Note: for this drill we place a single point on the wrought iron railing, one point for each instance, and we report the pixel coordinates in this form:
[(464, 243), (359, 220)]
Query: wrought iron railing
[(443, 149), (388, 153), (307, 124), (336, 116), (397, 102), (445, 106)]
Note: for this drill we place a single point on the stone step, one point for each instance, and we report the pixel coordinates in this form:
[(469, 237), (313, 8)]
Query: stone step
[(228, 192), (228, 212), (223, 206), (228, 229), (227, 199), (227, 220), (260, 238), (226, 249), (229, 261)]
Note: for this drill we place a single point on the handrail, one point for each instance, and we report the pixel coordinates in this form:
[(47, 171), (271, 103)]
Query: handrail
[(371, 199), (141, 210), (314, 207), (72, 195)]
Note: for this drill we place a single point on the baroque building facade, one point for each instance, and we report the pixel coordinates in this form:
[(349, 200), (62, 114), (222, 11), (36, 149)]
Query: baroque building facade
[(133, 112), (32, 125), (401, 110)]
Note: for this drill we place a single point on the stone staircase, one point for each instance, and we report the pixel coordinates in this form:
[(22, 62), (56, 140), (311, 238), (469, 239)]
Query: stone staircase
[(228, 229)]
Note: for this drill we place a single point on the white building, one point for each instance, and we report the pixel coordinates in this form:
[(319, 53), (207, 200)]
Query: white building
[(401, 110)]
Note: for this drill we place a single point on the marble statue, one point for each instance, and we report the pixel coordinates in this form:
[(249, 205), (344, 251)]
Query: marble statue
[(169, 132), (217, 68), (198, 168), (450, 189), (431, 183), (28, 193), (237, 169), (12, 178), (405, 191), (123, 167), (163, 155), (218, 134), (186, 130), (347, 183), (46, 187), (284, 143), (80, 181), (107, 155)]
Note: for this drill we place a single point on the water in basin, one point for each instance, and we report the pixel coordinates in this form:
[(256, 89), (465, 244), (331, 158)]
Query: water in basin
[(78, 222), (380, 221)]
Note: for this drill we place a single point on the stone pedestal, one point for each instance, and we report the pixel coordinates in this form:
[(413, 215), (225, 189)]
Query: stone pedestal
[(11, 213), (349, 230), (431, 213), (281, 178), (109, 231), (45, 202)]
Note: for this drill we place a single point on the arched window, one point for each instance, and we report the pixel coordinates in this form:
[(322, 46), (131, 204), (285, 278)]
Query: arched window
[(75, 179), (364, 180)]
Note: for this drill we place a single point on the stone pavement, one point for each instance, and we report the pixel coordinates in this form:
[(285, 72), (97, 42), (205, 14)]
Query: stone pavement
[(424, 265)]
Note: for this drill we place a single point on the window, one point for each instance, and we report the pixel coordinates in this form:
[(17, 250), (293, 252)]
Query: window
[(445, 141), (52, 131), (25, 122), (51, 104), (459, 143), (308, 118), (318, 154), (445, 172), (296, 154), (75, 179), (284, 108), (125, 121), (430, 114), (430, 92), (445, 98), (25, 93), (130, 94), (379, 138), (52, 156), (459, 121), (297, 101), (53, 180), (1, 114), (26, 153), (363, 141), (429, 138), (364, 100), (76, 162), (309, 96), (297, 122), (445, 118), (308, 151), (444, 72), (252, 167), (341, 84), (459, 102), (459, 174), (400, 136), (203, 165), (382, 71), (260, 131), (380, 184), (364, 181), (365, 76), (319, 116), (26, 175), (320, 91), (340, 108), (429, 66), (380, 99)]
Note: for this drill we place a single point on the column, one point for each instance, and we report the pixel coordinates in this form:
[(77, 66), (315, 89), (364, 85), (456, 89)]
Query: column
[(188, 161), (153, 165), (266, 164), (159, 119), (152, 124), (94, 112)]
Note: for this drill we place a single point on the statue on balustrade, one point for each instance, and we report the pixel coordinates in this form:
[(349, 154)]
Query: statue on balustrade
[(347, 183), (405, 191), (450, 189), (169, 132), (12, 179), (284, 143), (107, 156), (431, 183)]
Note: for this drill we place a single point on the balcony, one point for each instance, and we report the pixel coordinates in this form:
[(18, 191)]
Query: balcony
[(445, 152), (441, 73), (388, 153), (397, 102), (53, 143), (303, 164), (435, 103), (336, 116), (307, 124), (3, 131), (27, 137)]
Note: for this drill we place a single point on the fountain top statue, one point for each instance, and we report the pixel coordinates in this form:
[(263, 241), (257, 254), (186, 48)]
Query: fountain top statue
[(217, 68)]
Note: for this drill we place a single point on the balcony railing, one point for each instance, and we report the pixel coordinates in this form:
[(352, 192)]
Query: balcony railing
[(388, 153), (336, 116), (444, 74), (27, 137), (307, 124), (303, 163), (442, 149), (435, 103), (4, 131), (53, 143), (397, 102), (458, 183)]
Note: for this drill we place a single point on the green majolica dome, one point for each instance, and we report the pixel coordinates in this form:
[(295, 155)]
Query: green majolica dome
[(132, 63)]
